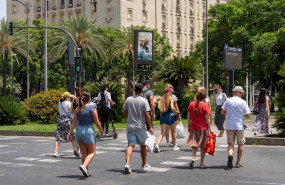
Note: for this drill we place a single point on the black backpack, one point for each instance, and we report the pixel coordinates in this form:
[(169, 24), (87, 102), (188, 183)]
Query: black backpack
[(102, 103)]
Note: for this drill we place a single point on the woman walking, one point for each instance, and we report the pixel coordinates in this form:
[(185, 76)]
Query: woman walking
[(261, 121), (84, 116), (63, 124), (219, 99), (167, 113), (199, 125), (176, 117)]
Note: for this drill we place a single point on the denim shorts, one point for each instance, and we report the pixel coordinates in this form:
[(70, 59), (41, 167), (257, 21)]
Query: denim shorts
[(85, 134), (167, 118), (136, 137)]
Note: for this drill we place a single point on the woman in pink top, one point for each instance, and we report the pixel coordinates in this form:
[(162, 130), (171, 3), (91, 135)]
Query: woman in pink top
[(199, 125)]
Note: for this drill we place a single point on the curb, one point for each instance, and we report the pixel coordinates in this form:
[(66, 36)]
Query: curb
[(265, 141), (25, 133)]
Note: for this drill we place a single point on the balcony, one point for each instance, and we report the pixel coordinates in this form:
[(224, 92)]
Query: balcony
[(70, 5), (79, 4), (54, 8), (39, 9)]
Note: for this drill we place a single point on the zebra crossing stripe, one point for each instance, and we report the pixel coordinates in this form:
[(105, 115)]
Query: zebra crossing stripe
[(23, 164), (49, 160), (100, 152), (27, 159), (188, 158), (114, 148), (174, 163), (155, 169), (5, 163), (1, 146)]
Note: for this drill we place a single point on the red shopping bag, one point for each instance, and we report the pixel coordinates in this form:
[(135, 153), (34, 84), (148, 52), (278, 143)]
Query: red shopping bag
[(211, 143)]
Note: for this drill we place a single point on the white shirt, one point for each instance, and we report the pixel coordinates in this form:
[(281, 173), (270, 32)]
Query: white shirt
[(66, 107), (107, 98), (220, 98), (235, 108)]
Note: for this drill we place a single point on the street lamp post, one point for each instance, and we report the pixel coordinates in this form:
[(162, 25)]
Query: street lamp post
[(46, 80), (28, 65), (207, 57)]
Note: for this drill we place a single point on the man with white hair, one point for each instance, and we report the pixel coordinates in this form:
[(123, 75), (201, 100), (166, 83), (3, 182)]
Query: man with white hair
[(235, 108)]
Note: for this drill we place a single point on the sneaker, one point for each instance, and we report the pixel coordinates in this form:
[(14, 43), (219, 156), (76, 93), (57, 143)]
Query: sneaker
[(230, 162), (76, 153), (88, 173), (128, 169), (175, 148), (192, 163), (83, 170), (156, 149), (55, 154), (170, 144), (203, 166), (146, 166)]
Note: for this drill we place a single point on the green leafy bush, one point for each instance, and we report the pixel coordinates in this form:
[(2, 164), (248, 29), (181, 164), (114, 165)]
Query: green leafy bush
[(43, 107), (184, 102), (11, 110), (116, 90)]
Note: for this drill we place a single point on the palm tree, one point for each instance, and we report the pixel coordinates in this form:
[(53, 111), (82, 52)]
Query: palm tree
[(8, 44), (178, 72), (82, 30), (125, 45)]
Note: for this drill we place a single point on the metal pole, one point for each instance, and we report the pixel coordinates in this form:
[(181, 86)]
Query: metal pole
[(247, 87), (46, 80), (12, 75), (28, 64), (233, 80), (207, 59)]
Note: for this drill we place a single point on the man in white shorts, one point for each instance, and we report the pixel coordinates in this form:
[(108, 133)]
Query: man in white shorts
[(235, 108), (136, 110)]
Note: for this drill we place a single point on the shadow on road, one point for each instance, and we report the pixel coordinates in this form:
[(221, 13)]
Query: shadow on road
[(122, 171), (197, 167), (77, 177)]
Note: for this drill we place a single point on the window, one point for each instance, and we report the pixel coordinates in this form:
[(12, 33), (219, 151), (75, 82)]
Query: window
[(14, 8), (130, 14), (191, 40), (144, 18), (192, 6), (110, 13), (164, 19), (178, 39), (54, 18), (204, 8), (191, 23)]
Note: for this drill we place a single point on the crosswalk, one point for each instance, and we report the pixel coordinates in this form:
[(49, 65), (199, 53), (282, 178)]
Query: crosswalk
[(101, 149)]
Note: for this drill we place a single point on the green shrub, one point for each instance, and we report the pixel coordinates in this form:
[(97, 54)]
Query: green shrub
[(183, 104), (43, 107), (11, 110), (116, 90)]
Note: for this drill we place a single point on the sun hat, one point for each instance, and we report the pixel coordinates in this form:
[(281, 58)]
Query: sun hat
[(168, 89), (67, 95), (238, 89)]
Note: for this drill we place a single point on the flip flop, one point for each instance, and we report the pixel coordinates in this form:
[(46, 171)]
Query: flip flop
[(239, 165)]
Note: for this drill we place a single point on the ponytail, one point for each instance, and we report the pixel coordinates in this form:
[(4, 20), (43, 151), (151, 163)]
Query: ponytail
[(83, 99), (196, 110)]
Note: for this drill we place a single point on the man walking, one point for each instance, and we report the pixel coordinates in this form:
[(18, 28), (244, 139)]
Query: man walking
[(235, 108), (136, 110), (148, 94)]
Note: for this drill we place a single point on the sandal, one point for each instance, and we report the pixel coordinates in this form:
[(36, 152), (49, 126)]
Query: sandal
[(239, 165), (192, 163)]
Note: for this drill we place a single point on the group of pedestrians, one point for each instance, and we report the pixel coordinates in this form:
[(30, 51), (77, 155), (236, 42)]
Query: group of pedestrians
[(139, 110)]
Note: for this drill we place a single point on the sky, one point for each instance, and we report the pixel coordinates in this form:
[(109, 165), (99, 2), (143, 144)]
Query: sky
[(2, 9)]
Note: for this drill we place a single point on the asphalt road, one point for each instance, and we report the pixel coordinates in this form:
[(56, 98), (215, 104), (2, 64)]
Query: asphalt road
[(29, 161)]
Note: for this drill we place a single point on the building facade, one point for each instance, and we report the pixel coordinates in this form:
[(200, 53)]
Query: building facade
[(181, 21)]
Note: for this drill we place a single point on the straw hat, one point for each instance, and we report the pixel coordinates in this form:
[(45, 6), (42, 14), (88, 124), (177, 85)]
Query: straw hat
[(238, 89), (67, 95)]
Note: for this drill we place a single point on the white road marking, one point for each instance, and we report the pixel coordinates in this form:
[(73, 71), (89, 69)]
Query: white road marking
[(41, 140), (5, 138), (220, 149), (68, 151), (114, 144), (100, 152), (114, 148), (47, 154), (124, 141), (23, 164), (223, 146), (27, 159), (269, 183), (188, 158), (174, 163), (154, 169), (1, 146), (18, 143), (49, 160), (5, 163), (7, 152)]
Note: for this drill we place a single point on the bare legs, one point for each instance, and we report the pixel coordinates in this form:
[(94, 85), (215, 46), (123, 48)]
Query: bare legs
[(163, 131), (56, 145), (239, 152), (173, 134), (88, 153), (129, 152), (194, 152)]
